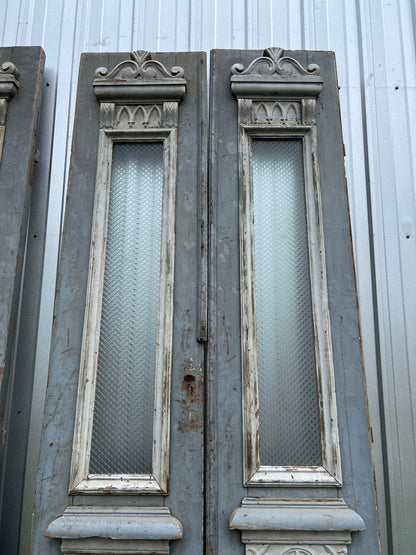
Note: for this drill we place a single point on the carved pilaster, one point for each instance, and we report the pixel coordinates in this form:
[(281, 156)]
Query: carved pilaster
[(170, 114), (245, 110), (8, 88), (107, 115), (308, 111)]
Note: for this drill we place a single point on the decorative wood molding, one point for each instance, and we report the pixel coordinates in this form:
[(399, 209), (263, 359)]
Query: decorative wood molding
[(138, 116), (275, 76), (81, 480), (139, 102), (139, 79), (272, 63), (276, 100), (295, 526), (116, 530), (141, 66), (139, 93), (9, 85), (277, 113)]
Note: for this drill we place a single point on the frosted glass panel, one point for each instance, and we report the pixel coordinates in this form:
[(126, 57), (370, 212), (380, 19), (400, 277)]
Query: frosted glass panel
[(122, 436), (288, 400)]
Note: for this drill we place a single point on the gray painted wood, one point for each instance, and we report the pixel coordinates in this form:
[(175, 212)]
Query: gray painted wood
[(224, 454), (375, 49), (185, 481), (22, 230)]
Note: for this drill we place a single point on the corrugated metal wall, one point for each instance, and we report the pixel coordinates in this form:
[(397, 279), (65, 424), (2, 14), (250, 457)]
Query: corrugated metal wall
[(374, 41)]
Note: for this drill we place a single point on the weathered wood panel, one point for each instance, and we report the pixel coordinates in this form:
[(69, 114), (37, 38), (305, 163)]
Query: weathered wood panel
[(21, 257)]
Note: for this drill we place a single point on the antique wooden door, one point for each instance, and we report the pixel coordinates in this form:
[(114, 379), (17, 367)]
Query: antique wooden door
[(206, 392)]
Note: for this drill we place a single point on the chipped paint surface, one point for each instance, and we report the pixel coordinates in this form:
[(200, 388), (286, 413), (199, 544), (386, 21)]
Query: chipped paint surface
[(192, 399)]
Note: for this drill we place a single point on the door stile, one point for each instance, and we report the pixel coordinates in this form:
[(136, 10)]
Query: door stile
[(224, 389)]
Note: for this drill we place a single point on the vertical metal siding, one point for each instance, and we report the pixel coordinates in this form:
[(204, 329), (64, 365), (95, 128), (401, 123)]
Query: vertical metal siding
[(390, 84), (375, 47)]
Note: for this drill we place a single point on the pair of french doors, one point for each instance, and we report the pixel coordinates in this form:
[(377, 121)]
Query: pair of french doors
[(205, 391)]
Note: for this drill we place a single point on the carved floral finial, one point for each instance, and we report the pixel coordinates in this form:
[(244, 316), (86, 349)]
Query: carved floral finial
[(273, 52), (273, 63), (141, 56), (140, 67)]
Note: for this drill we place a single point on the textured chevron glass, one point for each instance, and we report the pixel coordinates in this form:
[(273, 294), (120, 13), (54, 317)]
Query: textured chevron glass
[(288, 398), (122, 435)]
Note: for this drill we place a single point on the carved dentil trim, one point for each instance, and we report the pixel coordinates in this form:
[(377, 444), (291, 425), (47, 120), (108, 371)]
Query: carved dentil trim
[(141, 66), (274, 63)]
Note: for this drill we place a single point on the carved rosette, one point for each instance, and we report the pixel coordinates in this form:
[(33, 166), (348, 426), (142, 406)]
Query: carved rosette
[(276, 90), (139, 93), (9, 85)]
